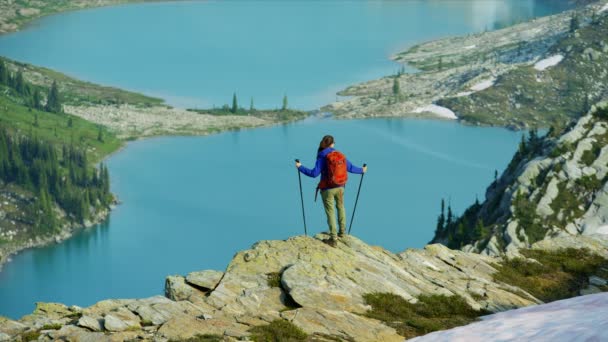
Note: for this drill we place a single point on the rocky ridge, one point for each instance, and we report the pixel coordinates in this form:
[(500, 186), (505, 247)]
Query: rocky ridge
[(554, 186), (302, 280)]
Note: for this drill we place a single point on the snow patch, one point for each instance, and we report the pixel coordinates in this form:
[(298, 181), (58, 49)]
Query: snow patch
[(548, 62), (603, 229), (483, 85), (603, 9), (438, 110), (464, 93), (581, 318), (470, 47)]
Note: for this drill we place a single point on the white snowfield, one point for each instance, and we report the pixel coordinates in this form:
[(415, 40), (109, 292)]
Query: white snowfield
[(437, 110), (603, 9), (548, 62), (583, 318), (483, 85)]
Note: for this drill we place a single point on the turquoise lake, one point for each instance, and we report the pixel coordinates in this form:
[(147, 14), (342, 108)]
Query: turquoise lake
[(197, 53), (189, 203)]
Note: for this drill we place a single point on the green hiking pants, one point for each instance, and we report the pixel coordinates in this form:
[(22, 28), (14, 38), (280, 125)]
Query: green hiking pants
[(332, 199)]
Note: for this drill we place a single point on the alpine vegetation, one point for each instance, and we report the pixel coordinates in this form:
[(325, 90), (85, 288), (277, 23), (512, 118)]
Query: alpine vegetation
[(554, 186)]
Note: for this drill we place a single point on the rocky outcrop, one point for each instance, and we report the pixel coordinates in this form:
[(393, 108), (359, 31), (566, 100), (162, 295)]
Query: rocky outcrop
[(554, 186), (303, 280)]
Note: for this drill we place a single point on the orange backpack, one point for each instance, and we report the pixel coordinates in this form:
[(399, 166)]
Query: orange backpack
[(336, 171)]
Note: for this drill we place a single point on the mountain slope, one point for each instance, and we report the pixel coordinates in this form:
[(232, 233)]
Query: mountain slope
[(554, 186), (491, 78)]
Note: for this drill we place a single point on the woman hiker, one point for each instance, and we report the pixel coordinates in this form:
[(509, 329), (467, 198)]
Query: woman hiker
[(333, 167)]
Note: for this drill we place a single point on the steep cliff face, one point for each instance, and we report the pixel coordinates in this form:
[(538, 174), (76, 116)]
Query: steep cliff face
[(554, 186), (317, 288)]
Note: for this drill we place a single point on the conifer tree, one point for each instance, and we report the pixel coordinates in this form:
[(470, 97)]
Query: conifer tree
[(480, 230), (36, 100), (53, 102), (522, 145), (235, 104), (450, 216), (574, 23), (99, 134), (20, 83), (251, 108), (441, 219), (4, 75), (396, 86), (285, 103)]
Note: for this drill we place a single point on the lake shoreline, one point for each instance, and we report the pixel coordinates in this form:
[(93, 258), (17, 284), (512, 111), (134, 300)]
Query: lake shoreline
[(461, 67), (206, 125), (66, 232), (107, 115), (19, 17)]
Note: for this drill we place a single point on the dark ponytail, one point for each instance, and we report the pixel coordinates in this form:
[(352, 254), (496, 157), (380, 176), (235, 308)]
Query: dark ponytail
[(325, 143)]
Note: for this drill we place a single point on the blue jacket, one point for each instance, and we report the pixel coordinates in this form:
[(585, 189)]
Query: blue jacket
[(320, 166)]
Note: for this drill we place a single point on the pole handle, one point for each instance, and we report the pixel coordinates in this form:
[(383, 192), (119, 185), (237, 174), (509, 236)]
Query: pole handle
[(297, 160), (364, 164)]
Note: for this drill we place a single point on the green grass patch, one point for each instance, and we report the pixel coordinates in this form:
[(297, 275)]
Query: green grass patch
[(76, 92), (588, 184), (561, 149), (557, 275), (430, 313), (568, 203), (589, 156), (32, 335), (56, 128), (55, 326), (146, 323), (277, 331), (274, 279), (74, 315)]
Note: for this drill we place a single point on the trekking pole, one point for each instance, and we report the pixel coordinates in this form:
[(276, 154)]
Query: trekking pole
[(302, 199), (357, 200)]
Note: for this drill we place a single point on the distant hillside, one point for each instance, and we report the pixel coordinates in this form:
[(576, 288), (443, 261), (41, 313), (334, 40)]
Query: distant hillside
[(15, 14), (573, 76), (535, 74), (554, 186), (50, 184)]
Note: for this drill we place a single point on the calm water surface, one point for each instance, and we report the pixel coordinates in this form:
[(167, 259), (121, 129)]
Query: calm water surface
[(199, 53), (191, 203)]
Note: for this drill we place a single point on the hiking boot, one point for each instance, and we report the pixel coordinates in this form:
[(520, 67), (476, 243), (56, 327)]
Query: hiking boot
[(341, 234), (332, 242)]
